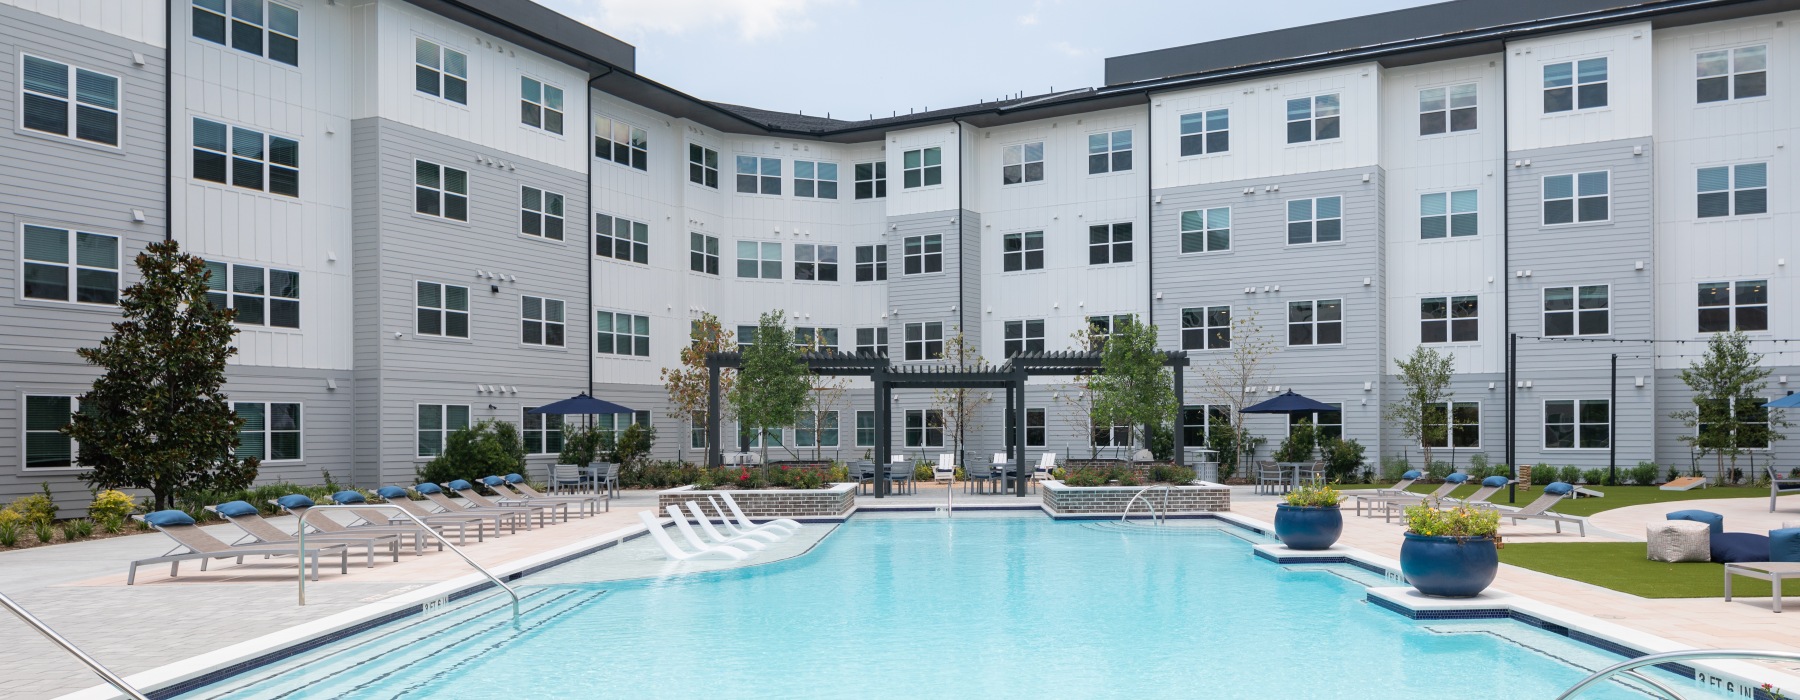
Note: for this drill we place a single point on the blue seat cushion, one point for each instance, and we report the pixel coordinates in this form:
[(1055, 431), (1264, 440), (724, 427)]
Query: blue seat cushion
[(1740, 546), (294, 500), (514, 478), (493, 480), (1412, 474), (1457, 478), (460, 485), (428, 488), (1712, 520), (1784, 544), (1559, 488), (348, 497), (235, 509), (168, 518), (391, 492), (1494, 481)]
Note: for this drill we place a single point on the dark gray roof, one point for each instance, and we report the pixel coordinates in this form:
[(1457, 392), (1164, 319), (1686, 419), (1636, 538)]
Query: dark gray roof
[(540, 29)]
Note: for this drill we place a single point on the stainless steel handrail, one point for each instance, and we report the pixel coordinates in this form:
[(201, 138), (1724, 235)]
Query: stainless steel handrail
[(301, 544), (1156, 516), (1631, 666), (43, 629)]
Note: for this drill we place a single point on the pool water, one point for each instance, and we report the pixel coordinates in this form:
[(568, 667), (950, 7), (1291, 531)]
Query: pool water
[(934, 608)]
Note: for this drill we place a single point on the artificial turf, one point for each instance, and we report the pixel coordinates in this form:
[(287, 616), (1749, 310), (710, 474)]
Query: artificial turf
[(1622, 567), (1616, 496)]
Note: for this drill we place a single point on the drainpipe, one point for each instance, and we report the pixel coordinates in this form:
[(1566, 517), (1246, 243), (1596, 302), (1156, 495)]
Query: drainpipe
[(588, 294), (168, 121), (1150, 254), (1512, 341)]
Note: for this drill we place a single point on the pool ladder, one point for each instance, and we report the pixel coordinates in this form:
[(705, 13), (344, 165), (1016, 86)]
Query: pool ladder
[(1630, 667), (112, 679), (301, 547), (1157, 517)]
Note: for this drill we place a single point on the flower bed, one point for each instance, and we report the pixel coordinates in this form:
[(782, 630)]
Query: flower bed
[(833, 500), (1061, 499)]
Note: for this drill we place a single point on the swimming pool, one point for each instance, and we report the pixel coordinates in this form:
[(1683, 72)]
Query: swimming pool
[(990, 607)]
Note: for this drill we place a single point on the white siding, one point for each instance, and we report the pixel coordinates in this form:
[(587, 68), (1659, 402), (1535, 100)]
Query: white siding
[(1259, 146), (137, 20), (1627, 114), (922, 200)]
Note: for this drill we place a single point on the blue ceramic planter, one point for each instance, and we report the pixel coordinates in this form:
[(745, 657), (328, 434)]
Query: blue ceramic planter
[(1308, 527), (1449, 567)]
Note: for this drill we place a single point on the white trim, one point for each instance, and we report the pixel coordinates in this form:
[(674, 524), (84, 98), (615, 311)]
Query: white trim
[(1575, 311), (268, 431), (443, 308), (71, 267), (443, 48), (543, 106), (780, 176), (1313, 220), (1574, 199), (544, 332), (922, 167), (442, 193), (1543, 423), (443, 432), (544, 214), (73, 73), (24, 433)]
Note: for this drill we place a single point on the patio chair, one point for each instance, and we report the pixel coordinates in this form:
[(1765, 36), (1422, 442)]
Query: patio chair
[(678, 554), (863, 471), (541, 510), (566, 477), (945, 471), (1046, 462), (606, 477), (977, 477), (396, 496), (1270, 477), (712, 533), (778, 531), (903, 477), (248, 519), (589, 504), (299, 504), (1779, 484), (790, 524), (200, 546), (1539, 509)]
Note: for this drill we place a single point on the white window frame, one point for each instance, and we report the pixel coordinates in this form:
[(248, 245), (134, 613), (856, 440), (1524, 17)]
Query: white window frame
[(607, 324), (542, 214), (1025, 341), (71, 265), (635, 238), (1446, 208), (1450, 321), (442, 70), (1206, 422), (813, 257), (264, 160), (877, 180), (269, 431), (802, 430), (544, 321), (1113, 245), (744, 431), (826, 336), (267, 298), (1207, 331), (1314, 324), (1733, 307), (703, 253), (443, 430), (924, 169), (925, 256), (1732, 72), (441, 191), (1446, 104), (1450, 424), (1023, 255), (1575, 84), (815, 185), (765, 181), (1575, 311), (1313, 220), (1575, 444), (878, 340), (876, 265), (1733, 189), (633, 153), (1109, 150), (767, 268), (1041, 427), (924, 431), (443, 310), (1018, 158), (1201, 226), (74, 104), (544, 429), (226, 11), (1320, 428), (1759, 400), (1316, 118), (924, 342), (542, 105), (25, 433), (1102, 326), (1202, 131), (703, 166), (1575, 198)]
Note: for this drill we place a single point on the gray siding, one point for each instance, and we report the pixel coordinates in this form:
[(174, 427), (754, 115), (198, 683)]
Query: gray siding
[(923, 298), (326, 418)]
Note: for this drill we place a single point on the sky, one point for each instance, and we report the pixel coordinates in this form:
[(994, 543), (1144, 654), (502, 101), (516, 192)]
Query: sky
[(855, 58)]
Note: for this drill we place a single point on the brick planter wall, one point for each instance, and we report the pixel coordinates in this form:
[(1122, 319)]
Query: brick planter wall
[(1111, 500), (832, 501)]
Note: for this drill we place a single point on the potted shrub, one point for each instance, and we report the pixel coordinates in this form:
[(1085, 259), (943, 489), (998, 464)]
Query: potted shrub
[(1309, 519), (1450, 552)]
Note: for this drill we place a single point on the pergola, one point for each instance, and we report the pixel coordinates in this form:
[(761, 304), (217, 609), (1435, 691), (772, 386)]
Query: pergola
[(1010, 376)]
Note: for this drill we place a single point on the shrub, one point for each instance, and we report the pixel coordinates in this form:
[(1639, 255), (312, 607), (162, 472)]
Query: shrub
[(1592, 476), (77, 529), (1644, 474), (11, 517), (1313, 496), (634, 444), (1568, 474), (584, 445), (113, 526), (1298, 446), (1479, 468), (486, 448), (1101, 476), (1171, 474), (1461, 521), (1343, 459), (1438, 469), (1674, 473), (1392, 467), (922, 471), (45, 533), (111, 504), (37, 508), (9, 534)]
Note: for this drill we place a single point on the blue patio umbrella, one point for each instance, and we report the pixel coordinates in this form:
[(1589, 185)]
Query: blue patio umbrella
[(1789, 401), (581, 404), (1290, 403)]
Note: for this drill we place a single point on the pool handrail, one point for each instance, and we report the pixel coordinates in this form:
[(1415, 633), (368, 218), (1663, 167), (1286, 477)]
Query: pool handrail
[(1630, 666), (1157, 517), (301, 542), (111, 678)]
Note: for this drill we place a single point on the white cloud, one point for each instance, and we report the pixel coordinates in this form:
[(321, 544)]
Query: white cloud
[(1070, 50), (753, 20)]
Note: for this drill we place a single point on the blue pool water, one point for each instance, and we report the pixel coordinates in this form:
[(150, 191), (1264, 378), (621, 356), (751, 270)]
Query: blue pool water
[(988, 608)]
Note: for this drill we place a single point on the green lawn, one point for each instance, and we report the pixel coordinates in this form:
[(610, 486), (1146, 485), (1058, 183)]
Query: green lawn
[(1616, 496), (1621, 566)]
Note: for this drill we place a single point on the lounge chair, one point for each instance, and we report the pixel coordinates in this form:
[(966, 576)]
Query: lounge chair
[(511, 516), (248, 519), (298, 504), (945, 471), (770, 529), (791, 525), (688, 533), (1479, 499), (180, 527), (676, 553), (1046, 462), (512, 483), (1401, 486), (1407, 497), (397, 497), (1539, 509), (541, 510), (1778, 484), (712, 533)]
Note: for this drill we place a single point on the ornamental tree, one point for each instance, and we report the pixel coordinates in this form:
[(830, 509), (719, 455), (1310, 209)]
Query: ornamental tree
[(157, 418), (1728, 417), (1134, 386), (1419, 414), (687, 383), (771, 387)]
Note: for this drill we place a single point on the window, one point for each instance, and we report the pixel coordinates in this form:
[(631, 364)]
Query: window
[(1021, 163), (1732, 74), (1102, 327), (1584, 424), (1022, 251), (1318, 220), (1749, 413), (1109, 243), (46, 447), (436, 422), (922, 167), (1733, 190), (924, 341), (703, 166), (1198, 423), (759, 260), (1206, 230), (703, 253), (871, 263), (1206, 328), (815, 262), (1327, 425), (825, 434), (1729, 306), (1447, 109), (46, 105), (815, 179), (1449, 320), (543, 432), (621, 334), (826, 338), (746, 336), (1312, 119), (871, 180), (758, 175), (261, 297), (1462, 429), (920, 255), (1206, 132), (1024, 336), (872, 341), (443, 310), (1115, 435), (1573, 85), (1316, 322), (540, 105), (441, 191), (1109, 152), (540, 213), (271, 431), (924, 428), (440, 72), (621, 143), (1448, 214), (1578, 198), (1035, 434), (865, 428), (616, 423), (248, 19), (621, 239), (541, 321), (697, 430), (244, 158), (64, 265), (1584, 310)]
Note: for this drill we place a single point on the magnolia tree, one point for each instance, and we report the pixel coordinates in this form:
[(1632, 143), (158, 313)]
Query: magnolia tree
[(772, 386), (687, 383), (1419, 414), (1728, 417), (157, 418)]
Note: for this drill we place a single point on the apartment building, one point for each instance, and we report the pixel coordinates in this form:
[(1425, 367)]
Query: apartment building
[(433, 212)]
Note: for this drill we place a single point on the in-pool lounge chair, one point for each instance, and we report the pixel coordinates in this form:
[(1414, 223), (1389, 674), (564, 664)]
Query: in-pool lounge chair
[(511, 516), (687, 532), (397, 497), (678, 554), (1540, 508), (541, 510), (712, 533), (771, 529), (298, 504), (204, 547), (791, 525), (248, 519), (513, 487)]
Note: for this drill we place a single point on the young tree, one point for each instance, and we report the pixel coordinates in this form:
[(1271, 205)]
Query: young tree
[(1078, 397), (1728, 417), (1229, 380), (1419, 415), (771, 387), (687, 384), (157, 419), (1134, 387), (823, 395), (961, 407)]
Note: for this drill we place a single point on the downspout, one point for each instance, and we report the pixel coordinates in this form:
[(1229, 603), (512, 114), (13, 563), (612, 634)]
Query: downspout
[(1512, 344), (1149, 241), (961, 262), (588, 153), (168, 120)]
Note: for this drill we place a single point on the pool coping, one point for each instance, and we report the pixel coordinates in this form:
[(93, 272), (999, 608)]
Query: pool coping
[(1735, 677)]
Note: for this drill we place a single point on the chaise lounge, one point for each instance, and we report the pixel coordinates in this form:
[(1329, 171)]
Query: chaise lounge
[(200, 546), (1540, 508)]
